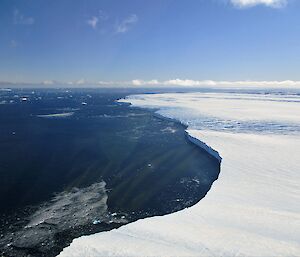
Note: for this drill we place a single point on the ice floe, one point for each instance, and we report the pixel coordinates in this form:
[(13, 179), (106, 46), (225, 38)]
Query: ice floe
[(56, 115)]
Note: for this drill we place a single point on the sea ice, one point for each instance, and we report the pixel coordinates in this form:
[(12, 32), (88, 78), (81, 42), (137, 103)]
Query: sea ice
[(56, 115)]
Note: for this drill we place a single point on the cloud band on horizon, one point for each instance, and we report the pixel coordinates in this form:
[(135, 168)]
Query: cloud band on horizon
[(164, 83), (251, 3)]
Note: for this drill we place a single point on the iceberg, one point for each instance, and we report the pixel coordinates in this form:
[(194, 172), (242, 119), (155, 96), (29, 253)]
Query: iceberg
[(251, 210)]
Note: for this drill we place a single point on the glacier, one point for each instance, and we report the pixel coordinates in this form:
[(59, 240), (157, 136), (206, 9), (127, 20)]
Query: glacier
[(251, 210)]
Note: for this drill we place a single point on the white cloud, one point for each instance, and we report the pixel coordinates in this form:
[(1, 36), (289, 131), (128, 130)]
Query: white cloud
[(19, 18), (238, 84), (106, 83), (138, 82), (81, 82), (48, 82), (250, 3), (216, 84), (93, 21), (126, 24)]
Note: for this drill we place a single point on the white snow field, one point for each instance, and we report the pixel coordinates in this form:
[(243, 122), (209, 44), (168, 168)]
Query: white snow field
[(253, 209)]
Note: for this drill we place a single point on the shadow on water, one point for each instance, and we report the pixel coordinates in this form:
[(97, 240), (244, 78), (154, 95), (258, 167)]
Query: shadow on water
[(95, 166)]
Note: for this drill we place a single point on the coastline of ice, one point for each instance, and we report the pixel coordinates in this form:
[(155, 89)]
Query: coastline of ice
[(252, 209), (203, 145)]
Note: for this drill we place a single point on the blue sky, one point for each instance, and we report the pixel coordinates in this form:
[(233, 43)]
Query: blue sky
[(95, 40)]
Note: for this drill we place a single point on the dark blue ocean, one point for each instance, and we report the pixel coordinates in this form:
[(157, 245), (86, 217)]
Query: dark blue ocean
[(77, 162)]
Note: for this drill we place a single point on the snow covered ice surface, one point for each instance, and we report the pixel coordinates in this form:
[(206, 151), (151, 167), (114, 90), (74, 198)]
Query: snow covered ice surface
[(251, 210)]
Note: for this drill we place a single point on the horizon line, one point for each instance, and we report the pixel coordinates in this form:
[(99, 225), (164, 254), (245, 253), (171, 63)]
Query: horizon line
[(137, 83)]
